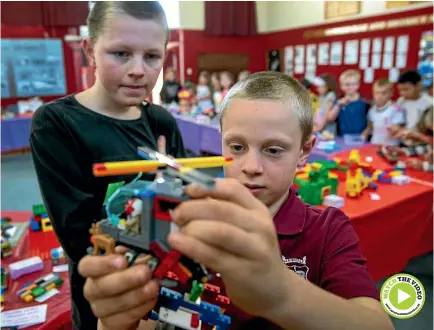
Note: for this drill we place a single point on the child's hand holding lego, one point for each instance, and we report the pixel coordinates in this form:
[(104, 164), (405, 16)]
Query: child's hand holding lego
[(230, 231), (119, 296)]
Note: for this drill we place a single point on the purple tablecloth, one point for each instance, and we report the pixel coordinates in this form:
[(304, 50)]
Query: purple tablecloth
[(15, 133)]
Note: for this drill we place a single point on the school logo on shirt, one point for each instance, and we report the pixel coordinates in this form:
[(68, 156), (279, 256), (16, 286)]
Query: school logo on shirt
[(298, 266)]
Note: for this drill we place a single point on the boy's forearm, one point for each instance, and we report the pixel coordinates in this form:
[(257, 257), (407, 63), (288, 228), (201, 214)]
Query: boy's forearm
[(310, 307)]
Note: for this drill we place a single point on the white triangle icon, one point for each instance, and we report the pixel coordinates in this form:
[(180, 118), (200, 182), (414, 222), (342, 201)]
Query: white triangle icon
[(402, 296)]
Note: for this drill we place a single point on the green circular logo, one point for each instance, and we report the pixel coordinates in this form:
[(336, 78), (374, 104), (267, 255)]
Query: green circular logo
[(402, 296)]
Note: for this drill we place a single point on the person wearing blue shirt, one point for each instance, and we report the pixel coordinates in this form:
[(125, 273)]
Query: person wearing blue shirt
[(350, 111)]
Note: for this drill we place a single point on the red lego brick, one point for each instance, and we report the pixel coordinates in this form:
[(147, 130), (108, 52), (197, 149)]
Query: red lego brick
[(194, 322), (223, 300), (167, 264), (212, 288)]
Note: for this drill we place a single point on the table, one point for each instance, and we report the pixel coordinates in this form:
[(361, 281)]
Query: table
[(59, 306), (395, 228), (15, 133), (318, 154)]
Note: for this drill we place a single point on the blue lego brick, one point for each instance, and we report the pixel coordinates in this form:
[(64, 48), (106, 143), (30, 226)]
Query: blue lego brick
[(171, 294), (209, 307), (153, 316), (34, 225), (146, 194)]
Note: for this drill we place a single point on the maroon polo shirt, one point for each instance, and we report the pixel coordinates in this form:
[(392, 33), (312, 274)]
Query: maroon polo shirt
[(322, 247)]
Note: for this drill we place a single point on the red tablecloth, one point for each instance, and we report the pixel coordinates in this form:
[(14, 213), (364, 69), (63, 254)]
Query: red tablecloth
[(59, 306), (395, 228)]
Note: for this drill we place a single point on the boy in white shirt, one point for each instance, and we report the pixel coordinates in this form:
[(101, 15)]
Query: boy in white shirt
[(414, 102), (383, 114)]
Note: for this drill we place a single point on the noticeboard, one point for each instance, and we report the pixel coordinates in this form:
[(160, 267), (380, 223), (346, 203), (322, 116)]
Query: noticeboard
[(32, 67)]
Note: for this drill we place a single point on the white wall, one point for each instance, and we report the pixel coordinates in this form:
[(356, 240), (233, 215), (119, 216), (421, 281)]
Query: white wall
[(283, 15)]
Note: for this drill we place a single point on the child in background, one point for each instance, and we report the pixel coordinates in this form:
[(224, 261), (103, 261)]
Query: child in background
[(217, 91), (284, 264), (226, 81), (315, 101), (350, 111), (414, 102), (243, 74), (107, 122), (327, 90), (187, 96), (170, 89), (383, 115), (203, 94)]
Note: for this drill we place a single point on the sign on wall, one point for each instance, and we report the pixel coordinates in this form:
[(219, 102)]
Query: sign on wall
[(32, 67)]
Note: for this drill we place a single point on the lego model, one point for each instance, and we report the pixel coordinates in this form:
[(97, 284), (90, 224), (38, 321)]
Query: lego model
[(57, 256), (314, 184), (39, 220), (24, 267), (138, 217), (6, 245), (39, 289)]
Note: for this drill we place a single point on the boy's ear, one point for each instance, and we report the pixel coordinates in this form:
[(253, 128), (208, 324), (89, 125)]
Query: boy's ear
[(306, 150), (89, 51)]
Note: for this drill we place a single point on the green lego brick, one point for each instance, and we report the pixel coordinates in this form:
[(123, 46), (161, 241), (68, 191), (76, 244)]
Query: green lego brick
[(196, 290), (58, 282), (39, 209), (38, 291)]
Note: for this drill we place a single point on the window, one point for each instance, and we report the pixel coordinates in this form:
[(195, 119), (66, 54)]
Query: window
[(171, 8)]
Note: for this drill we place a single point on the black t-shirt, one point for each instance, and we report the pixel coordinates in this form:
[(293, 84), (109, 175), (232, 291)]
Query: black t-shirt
[(66, 140)]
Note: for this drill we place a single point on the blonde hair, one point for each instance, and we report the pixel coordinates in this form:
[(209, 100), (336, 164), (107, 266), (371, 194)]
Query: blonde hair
[(383, 82), (349, 73), (274, 86)]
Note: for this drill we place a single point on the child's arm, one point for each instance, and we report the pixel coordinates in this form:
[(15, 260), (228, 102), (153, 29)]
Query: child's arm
[(368, 130), (334, 112), (247, 255), (323, 124)]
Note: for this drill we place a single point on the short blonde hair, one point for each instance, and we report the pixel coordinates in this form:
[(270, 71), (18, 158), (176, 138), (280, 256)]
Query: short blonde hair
[(274, 86), (383, 82), (349, 73)]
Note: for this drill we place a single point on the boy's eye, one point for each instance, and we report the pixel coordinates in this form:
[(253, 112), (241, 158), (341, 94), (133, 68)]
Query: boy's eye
[(236, 147), (274, 151), (152, 56), (120, 54)]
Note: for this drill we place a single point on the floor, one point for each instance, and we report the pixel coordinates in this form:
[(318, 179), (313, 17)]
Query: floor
[(19, 191)]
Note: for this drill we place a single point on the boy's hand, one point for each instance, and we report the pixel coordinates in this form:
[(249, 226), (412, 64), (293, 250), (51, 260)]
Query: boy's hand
[(119, 296), (414, 163), (343, 101), (233, 233)]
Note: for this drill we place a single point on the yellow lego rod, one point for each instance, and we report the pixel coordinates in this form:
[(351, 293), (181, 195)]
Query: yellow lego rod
[(136, 166)]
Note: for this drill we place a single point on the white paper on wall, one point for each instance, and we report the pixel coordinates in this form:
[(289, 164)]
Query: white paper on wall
[(389, 45), (336, 53), (310, 72), (376, 61), (401, 60), (387, 60), (289, 60), (299, 68), (402, 44), (376, 46), (364, 61), (365, 46), (393, 75), (323, 54), (299, 54), (369, 75), (311, 54), (351, 52)]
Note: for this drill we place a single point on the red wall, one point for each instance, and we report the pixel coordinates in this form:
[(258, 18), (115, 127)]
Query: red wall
[(196, 43), (279, 40)]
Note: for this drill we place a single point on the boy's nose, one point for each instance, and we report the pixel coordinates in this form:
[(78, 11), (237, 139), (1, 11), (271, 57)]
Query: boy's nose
[(252, 163), (137, 68)]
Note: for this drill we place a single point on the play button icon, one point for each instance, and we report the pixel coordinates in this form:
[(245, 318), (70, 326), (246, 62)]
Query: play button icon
[(402, 296)]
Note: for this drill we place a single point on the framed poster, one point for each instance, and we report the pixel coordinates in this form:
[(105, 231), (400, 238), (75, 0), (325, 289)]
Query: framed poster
[(338, 9), (32, 67)]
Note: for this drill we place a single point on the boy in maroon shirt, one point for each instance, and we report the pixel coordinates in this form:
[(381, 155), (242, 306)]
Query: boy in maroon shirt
[(266, 124)]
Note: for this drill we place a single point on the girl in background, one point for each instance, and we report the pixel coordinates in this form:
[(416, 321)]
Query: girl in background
[(327, 90), (243, 75), (227, 81), (203, 94), (217, 91)]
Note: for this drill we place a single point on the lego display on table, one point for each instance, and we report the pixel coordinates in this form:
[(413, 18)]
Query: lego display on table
[(12, 232), (58, 256), (34, 67), (138, 217), (41, 289)]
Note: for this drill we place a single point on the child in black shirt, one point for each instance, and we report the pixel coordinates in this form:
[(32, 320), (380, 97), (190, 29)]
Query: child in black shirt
[(126, 45)]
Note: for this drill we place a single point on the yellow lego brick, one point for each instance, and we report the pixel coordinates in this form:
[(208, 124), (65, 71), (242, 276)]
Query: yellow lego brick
[(304, 176), (316, 166), (46, 225), (27, 298), (50, 286), (396, 173), (332, 175), (2, 299)]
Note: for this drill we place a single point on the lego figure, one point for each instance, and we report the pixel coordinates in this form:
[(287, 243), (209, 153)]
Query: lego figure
[(133, 210)]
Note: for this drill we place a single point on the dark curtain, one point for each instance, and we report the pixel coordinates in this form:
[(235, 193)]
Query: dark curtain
[(230, 18), (44, 13)]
